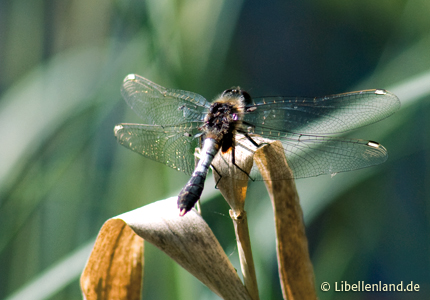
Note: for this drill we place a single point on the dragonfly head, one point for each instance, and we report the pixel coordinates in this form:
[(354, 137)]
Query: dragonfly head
[(236, 92)]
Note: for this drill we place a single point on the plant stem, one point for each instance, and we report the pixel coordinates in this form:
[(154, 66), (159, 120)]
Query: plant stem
[(245, 253), (295, 267), (233, 187)]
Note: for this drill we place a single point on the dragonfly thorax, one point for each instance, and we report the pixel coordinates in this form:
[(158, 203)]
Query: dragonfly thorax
[(223, 118)]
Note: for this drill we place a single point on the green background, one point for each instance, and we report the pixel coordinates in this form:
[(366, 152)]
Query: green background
[(62, 173)]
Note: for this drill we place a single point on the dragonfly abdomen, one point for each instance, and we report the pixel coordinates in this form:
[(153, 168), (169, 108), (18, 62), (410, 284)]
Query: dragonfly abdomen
[(192, 191)]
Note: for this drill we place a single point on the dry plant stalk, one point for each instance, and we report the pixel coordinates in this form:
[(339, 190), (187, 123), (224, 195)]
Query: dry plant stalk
[(245, 253), (114, 269), (295, 267), (233, 187)]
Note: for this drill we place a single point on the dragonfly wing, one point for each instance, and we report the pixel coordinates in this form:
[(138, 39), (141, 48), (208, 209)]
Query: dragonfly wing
[(158, 105), (309, 155), (321, 115), (173, 146)]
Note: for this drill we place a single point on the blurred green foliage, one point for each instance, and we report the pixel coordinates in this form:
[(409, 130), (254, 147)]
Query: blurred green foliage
[(62, 174)]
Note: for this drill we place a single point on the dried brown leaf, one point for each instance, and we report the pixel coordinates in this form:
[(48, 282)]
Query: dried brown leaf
[(190, 242), (295, 267), (114, 269)]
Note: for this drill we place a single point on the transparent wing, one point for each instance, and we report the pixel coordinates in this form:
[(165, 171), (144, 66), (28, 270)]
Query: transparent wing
[(309, 155), (173, 146), (158, 105), (323, 115)]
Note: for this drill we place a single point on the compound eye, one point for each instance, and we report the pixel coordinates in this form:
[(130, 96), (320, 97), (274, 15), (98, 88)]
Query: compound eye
[(246, 96), (226, 92)]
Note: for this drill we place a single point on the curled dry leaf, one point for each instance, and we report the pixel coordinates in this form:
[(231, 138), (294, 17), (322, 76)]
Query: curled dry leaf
[(190, 242), (295, 267), (114, 269)]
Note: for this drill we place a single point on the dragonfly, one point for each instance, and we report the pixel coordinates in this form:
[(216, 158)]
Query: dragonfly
[(176, 122)]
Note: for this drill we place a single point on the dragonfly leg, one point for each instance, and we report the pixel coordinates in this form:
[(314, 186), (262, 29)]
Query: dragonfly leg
[(251, 139), (233, 160), (219, 174)]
